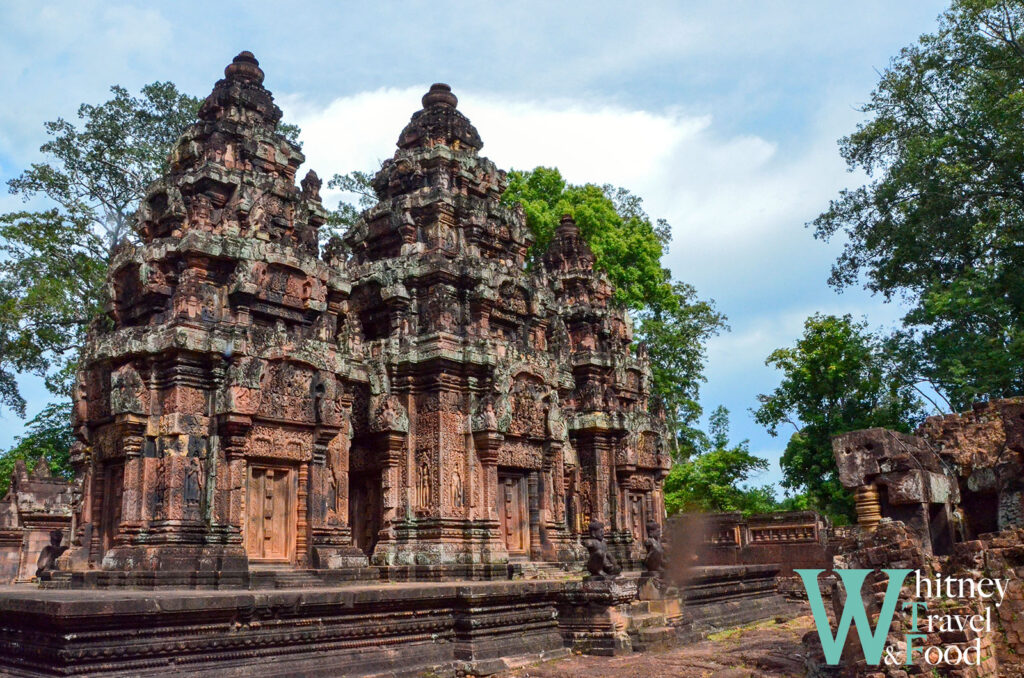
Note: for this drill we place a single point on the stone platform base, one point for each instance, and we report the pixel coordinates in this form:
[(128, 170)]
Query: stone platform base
[(300, 627), (270, 578), (391, 629)]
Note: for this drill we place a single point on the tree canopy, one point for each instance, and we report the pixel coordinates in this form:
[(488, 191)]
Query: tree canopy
[(837, 378), (671, 320), (940, 222), (714, 478), (55, 259), (48, 436)]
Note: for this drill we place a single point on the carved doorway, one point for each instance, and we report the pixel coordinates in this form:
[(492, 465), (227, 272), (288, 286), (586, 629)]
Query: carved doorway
[(513, 513), (271, 509), (364, 509), (113, 490), (637, 508)]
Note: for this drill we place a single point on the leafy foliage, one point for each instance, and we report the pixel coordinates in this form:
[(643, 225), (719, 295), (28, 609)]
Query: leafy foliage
[(51, 286), (941, 221), (838, 378), (713, 480), (358, 184), (673, 323), (626, 245), (48, 436)]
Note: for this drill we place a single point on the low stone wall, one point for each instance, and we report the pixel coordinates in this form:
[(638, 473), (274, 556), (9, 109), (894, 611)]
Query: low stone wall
[(789, 539), (396, 629), (401, 629)]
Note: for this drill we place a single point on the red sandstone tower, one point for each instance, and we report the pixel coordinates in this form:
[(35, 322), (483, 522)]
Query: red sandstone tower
[(420, 396)]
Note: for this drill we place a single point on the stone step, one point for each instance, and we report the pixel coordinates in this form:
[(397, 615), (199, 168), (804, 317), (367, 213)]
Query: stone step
[(653, 638), (647, 620)]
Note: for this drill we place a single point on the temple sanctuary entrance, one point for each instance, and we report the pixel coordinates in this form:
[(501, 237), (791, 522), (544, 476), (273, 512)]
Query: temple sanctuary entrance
[(513, 513), (270, 509), (113, 489), (364, 509), (637, 512)]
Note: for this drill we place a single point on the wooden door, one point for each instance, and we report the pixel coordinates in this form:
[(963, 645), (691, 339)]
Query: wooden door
[(270, 505), (113, 491), (364, 509), (513, 513), (637, 517)]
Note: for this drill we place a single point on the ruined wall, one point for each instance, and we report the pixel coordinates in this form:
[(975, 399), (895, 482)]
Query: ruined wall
[(36, 505), (984, 448)]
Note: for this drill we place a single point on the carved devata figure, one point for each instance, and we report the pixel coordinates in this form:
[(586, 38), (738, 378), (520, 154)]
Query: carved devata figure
[(600, 562), (654, 561)]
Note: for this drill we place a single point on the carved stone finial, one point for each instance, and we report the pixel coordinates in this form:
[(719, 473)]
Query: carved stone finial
[(311, 186), (439, 123), (440, 94), (244, 67)]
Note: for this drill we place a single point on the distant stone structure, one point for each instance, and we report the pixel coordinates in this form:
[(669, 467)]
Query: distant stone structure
[(789, 539), (36, 507), (417, 396)]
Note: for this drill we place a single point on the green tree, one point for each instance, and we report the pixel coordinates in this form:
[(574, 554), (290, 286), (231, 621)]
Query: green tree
[(837, 378), (48, 436), (940, 221), (714, 478), (671, 320), (51, 286), (626, 244), (358, 184)]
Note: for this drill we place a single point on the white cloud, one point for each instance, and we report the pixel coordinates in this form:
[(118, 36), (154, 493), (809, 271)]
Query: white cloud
[(737, 203)]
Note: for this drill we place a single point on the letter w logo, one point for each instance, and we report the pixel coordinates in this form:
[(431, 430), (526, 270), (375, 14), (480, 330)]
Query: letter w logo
[(873, 642)]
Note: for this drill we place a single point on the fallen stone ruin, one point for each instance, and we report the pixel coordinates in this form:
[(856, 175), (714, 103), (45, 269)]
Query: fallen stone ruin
[(946, 502)]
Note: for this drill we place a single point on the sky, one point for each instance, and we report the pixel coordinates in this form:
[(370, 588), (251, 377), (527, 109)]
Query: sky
[(723, 116)]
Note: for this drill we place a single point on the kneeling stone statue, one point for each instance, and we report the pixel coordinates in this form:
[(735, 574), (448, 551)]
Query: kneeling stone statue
[(48, 556), (600, 563)]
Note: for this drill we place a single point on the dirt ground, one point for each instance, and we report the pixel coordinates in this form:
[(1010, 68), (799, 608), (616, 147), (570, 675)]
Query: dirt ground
[(766, 650)]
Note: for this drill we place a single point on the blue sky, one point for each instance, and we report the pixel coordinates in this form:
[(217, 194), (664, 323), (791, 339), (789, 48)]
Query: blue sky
[(722, 115)]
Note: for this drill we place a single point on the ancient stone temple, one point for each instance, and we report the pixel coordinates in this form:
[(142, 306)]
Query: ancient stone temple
[(36, 508), (419, 394)]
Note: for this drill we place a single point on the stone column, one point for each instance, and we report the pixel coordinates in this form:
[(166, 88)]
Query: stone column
[(131, 433), (487, 444), (234, 430), (869, 509), (603, 482), (393, 457)]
